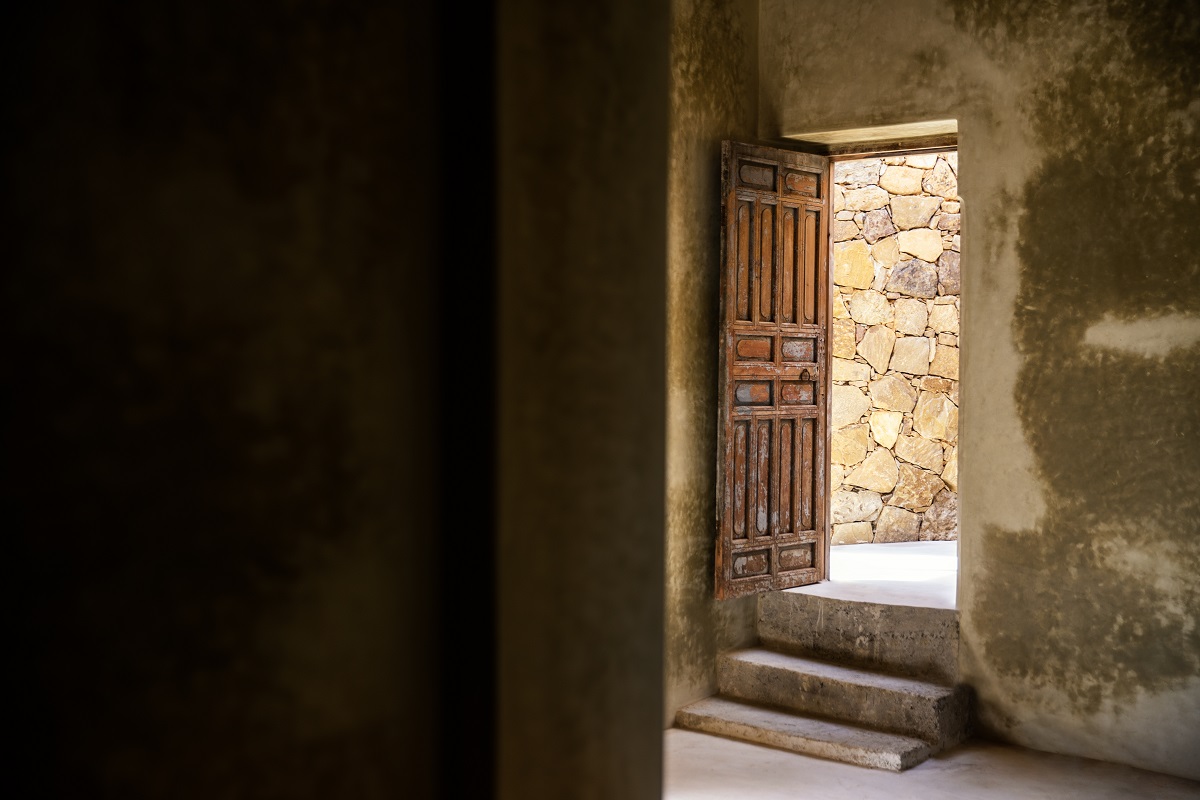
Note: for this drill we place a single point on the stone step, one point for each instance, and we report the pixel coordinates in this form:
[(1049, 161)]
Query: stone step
[(909, 706), (810, 736), (906, 640)]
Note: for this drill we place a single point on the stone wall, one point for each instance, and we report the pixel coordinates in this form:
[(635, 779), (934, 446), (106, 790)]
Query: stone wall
[(895, 349)]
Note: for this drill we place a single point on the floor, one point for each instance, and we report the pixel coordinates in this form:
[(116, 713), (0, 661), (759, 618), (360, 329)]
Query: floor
[(703, 767), (908, 573)]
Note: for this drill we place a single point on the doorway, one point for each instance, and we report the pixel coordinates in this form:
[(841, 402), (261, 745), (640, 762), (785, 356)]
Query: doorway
[(895, 393)]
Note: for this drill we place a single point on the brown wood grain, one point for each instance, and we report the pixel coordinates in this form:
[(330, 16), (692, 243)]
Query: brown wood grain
[(772, 529)]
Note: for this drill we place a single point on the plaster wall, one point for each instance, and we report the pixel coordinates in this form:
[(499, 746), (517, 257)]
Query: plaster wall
[(1080, 431), (713, 92), (582, 390)]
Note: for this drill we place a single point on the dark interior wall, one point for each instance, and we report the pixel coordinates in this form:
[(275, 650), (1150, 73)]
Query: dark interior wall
[(1079, 134), (714, 74), (582, 246), (225, 241)]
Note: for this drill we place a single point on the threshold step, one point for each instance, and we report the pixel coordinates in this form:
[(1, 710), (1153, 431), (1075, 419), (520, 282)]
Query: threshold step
[(836, 741), (877, 700)]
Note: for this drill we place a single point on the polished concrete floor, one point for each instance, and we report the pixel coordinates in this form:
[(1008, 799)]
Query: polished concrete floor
[(703, 767)]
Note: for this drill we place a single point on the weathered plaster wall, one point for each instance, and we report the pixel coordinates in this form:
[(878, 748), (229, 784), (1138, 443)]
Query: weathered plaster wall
[(582, 291), (713, 91), (1079, 451)]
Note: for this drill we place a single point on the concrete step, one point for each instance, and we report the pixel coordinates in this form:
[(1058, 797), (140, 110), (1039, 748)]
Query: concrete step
[(821, 738), (905, 640), (908, 706)]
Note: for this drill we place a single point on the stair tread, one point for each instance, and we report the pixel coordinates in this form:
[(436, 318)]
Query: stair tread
[(839, 672), (823, 738)]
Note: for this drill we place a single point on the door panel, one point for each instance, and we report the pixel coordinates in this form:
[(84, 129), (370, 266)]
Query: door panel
[(772, 482)]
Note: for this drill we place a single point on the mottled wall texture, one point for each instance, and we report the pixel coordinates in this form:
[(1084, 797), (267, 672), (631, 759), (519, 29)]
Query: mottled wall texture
[(714, 74), (1079, 143)]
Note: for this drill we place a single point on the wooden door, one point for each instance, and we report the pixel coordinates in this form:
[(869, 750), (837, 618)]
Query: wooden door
[(772, 479)]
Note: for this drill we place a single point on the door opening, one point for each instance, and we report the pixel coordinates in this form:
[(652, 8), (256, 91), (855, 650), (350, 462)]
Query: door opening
[(894, 341)]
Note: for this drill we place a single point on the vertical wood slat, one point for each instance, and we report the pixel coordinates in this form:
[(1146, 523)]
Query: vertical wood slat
[(810, 266), (762, 507), (787, 481), (740, 476), (787, 267), (806, 474), (744, 256), (766, 264)]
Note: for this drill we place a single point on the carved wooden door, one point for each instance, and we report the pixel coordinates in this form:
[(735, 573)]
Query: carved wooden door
[(772, 514)]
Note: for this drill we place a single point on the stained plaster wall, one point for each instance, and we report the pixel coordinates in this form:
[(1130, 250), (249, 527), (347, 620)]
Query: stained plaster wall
[(1079, 454), (713, 93)]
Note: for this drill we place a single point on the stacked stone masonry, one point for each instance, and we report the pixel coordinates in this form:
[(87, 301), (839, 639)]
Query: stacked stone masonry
[(894, 403)]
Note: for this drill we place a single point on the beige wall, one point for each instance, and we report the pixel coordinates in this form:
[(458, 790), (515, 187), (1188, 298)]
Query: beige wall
[(713, 91), (1080, 436)]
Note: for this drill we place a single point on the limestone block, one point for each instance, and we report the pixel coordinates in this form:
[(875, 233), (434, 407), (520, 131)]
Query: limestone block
[(856, 173), (923, 243), (839, 199), (935, 417), (897, 525), (844, 338), (911, 316), (876, 347), (877, 224), (847, 405), (950, 471), (839, 307), (940, 522), (852, 533), (844, 229), (852, 264), (941, 181), (869, 307), (911, 355), (848, 446), (891, 393), (915, 488), (948, 339), (951, 206), (920, 451), (877, 472), (947, 273), (836, 473), (922, 161), (885, 427), (901, 180), (945, 362), (944, 319), (846, 370), (855, 506), (913, 212), (951, 223), (932, 384), (867, 199), (886, 251), (913, 278)]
